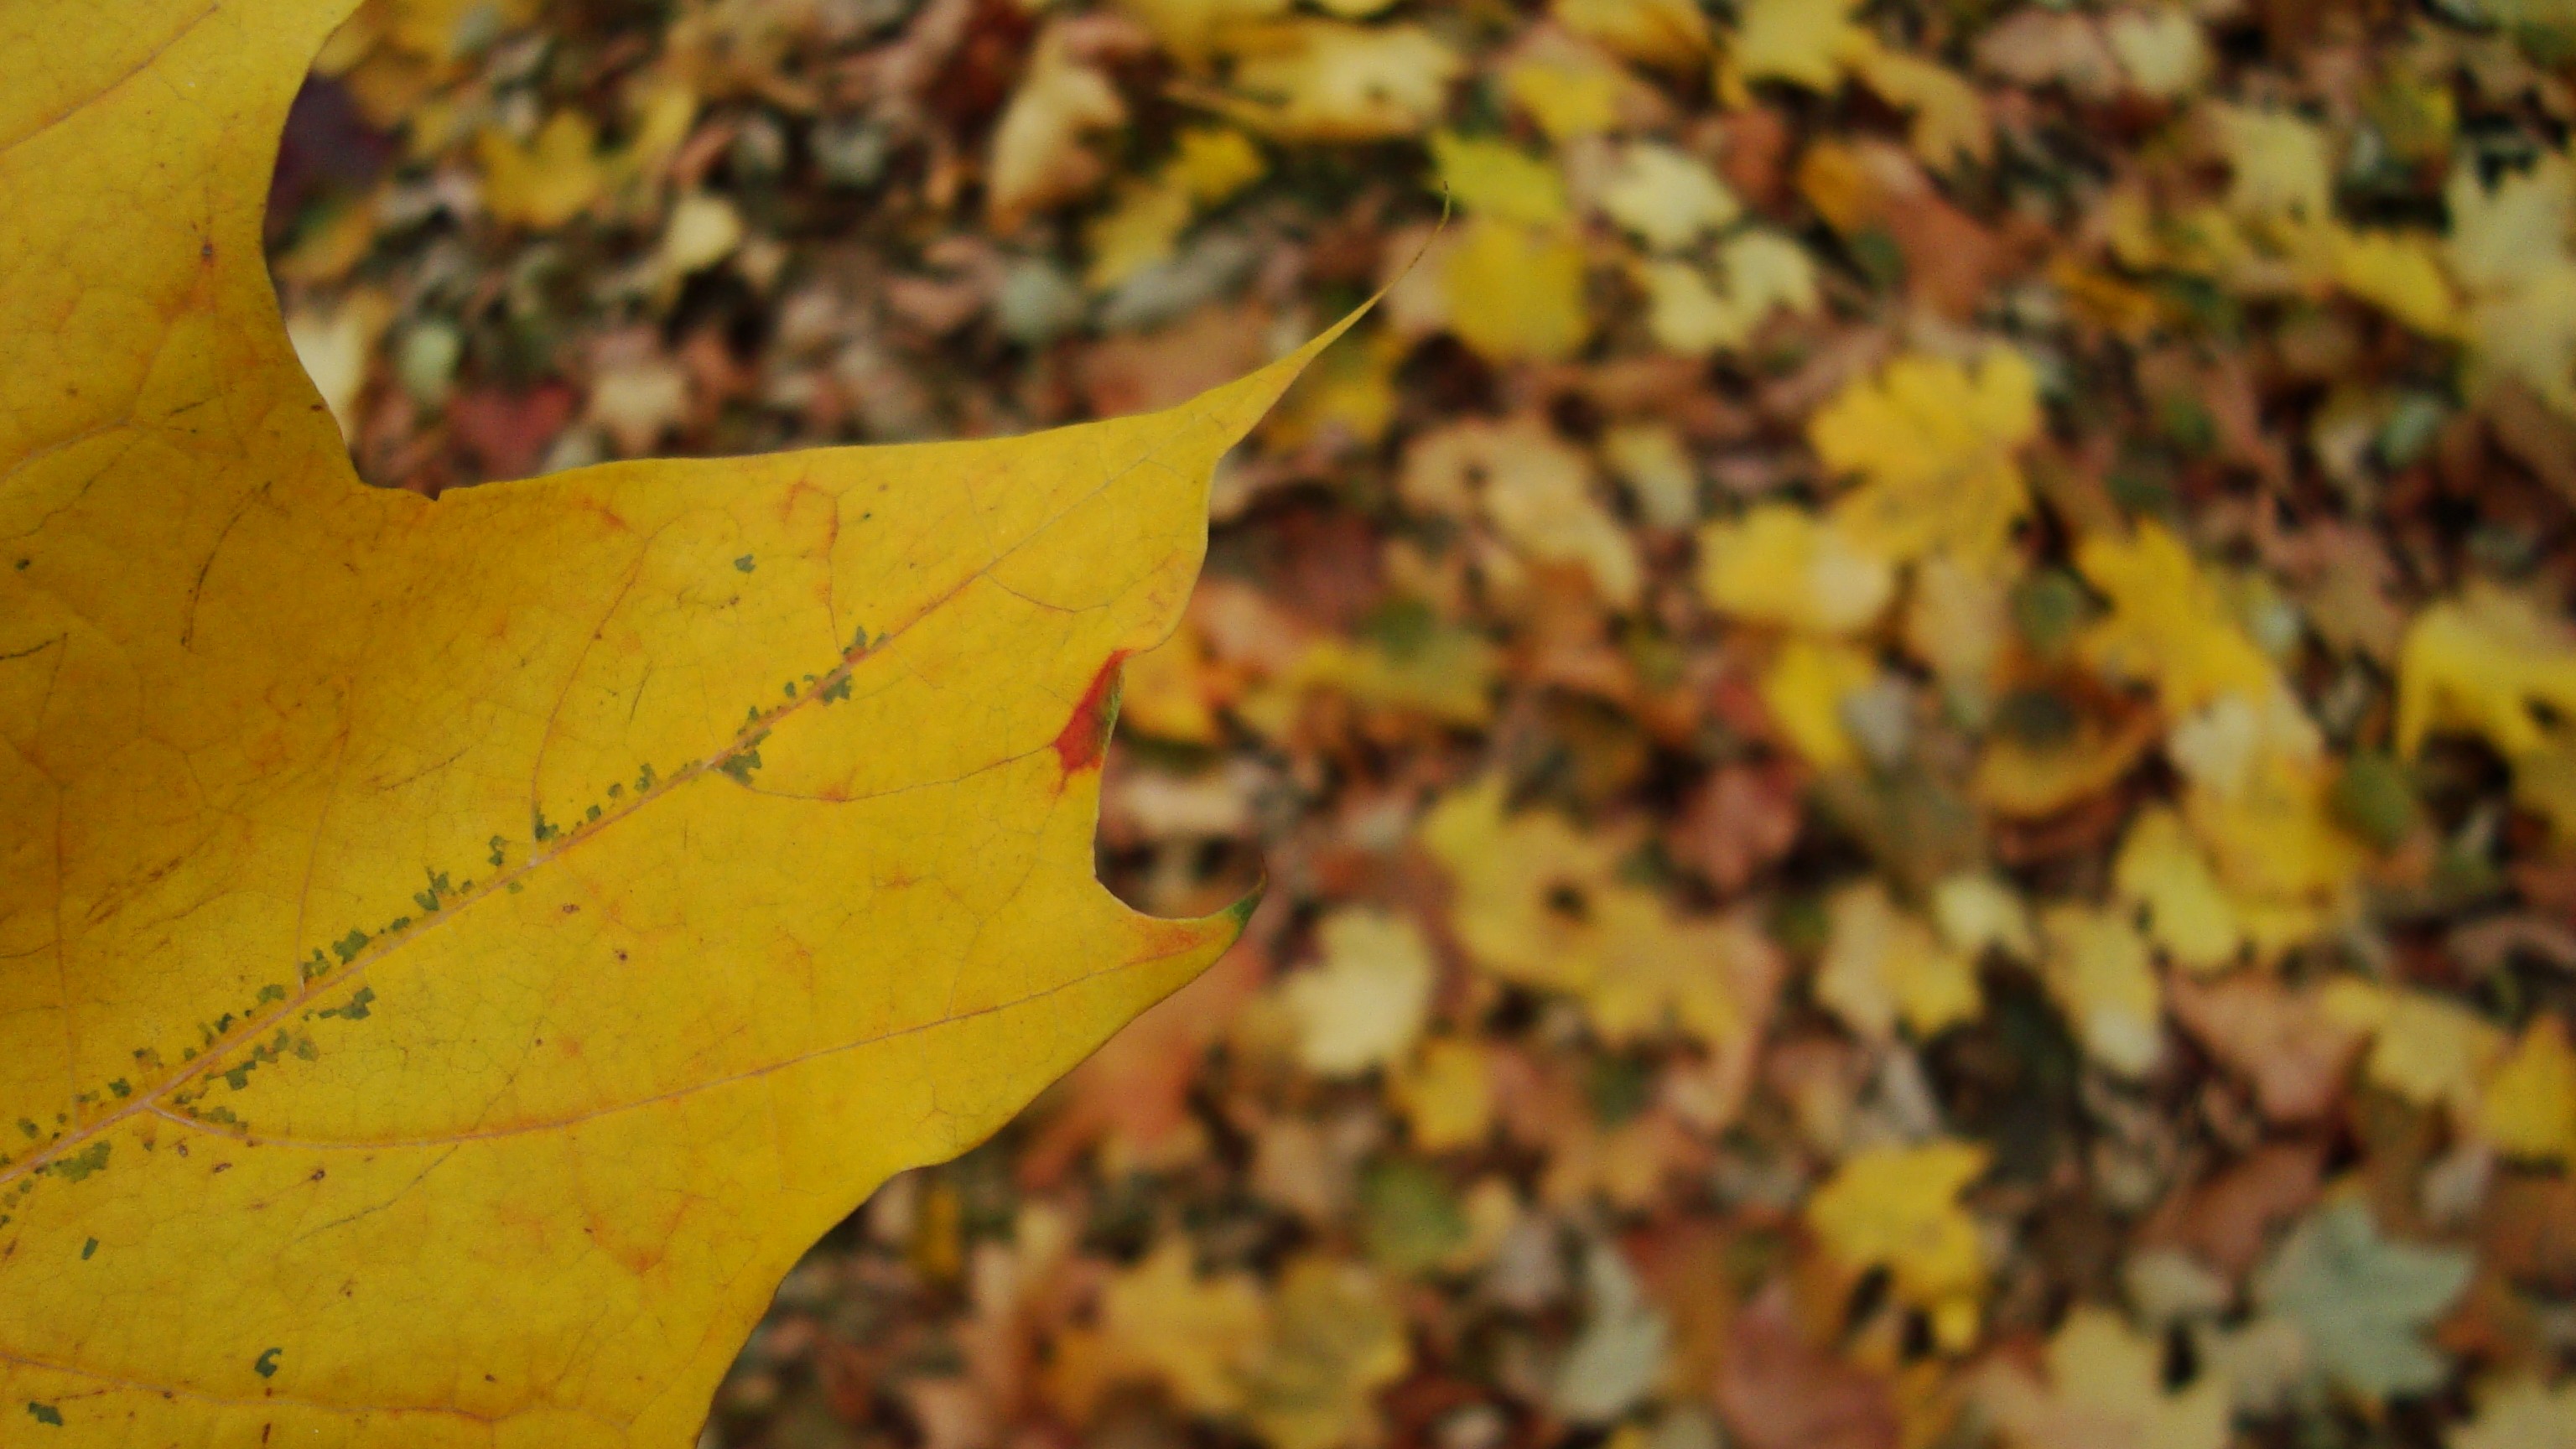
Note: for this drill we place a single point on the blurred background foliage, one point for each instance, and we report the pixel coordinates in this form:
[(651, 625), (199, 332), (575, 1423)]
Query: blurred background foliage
[(1906, 706)]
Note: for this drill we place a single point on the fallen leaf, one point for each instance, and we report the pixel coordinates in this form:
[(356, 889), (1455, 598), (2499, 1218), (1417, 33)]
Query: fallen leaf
[(1446, 1094), (1668, 198), (2510, 252), (1512, 292), (2098, 970), (2425, 1048), (1934, 444), (2486, 663), (1897, 1208), (1538, 491), (1617, 1359), (2364, 1300), (1499, 179), (546, 181), (2104, 1387), (1776, 1390), (2228, 1218), (1364, 1003), (332, 868), (1738, 822), (2528, 1106), (1326, 80), (1540, 904), (1883, 964), (1802, 41), (1695, 309), (2161, 870), (1808, 687), (2287, 1042), (1040, 159), (1198, 1336), (1672, 33), (2520, 1413), (1336, 1339)]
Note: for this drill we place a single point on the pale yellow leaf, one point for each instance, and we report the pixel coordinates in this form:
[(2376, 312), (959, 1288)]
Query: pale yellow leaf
[(1327, 80), (2098, 970), (1883, 964), (2105, 1388), (1670, 33), (1040, 157), (1446, 1094), (1780, 564), (1669, 198), (2484, 663), (1363, 1004)]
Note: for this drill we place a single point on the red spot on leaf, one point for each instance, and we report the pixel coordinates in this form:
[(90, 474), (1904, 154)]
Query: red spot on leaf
[(1086, 733)]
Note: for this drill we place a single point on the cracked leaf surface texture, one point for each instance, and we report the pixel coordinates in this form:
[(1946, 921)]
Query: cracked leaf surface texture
[(454, 956)]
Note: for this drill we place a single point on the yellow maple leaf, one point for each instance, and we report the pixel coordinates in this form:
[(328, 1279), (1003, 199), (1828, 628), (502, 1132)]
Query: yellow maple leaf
[(1934, 445), (1566, 86), (2277, 163), (2428, 1050), (2398, 272), (460, 953), (549, 179), (1540, 903), (2485, 663), (2529, 1106), (2104, 1388), (1212, 163), (2168, 625), (1141, 229), (1780, 564), (2510, 251), (1671, 33), (1336, 1339), (2521, 1413), (2162, 870), (1804, 687), (1200, 1337), (1950, 122), (1801, 41), (1328, 80), (1898, 1208), (1696, 310)]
